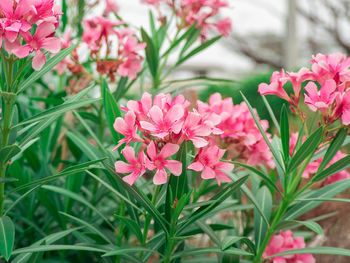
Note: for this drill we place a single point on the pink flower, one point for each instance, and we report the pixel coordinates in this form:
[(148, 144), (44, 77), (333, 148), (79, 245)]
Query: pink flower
[(208, 162), (343, 107), (39, 41), (286, 241), (278, 79), (111, 6), (334, 66), (224, 26), (162, 124), (320, 100), (159, 162), (130, 67), (136, 167), (298, 78), (128, 128), (194, 130), (141, 107)]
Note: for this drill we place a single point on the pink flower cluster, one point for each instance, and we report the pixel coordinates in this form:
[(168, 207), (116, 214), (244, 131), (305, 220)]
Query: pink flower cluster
[(312, 168), (285, 241), (18, 18), (100, 34), (199, 12), (331, 73), (239, 134), (163, 123)]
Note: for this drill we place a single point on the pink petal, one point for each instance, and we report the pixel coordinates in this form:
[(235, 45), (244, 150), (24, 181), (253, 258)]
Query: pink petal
[(199, 142), (129, 118), (120, 126), (156, 114), (196, 166), (11, 35), (175, 113), (43, 30), (151, 150), (23, 51), (119, 144), (227, 167), (129, 154), (311, 90), (148, 126), (122, 167), (160, 177), (168, 150), (39, 60), (51, 44), (131, 178), (208, 173), (222, 177), (175, 167), (6, 7), (345, 118)]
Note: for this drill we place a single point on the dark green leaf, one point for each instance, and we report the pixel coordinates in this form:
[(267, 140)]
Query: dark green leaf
[(285, 132), (151, 53), (315, 250), (7, 236), (336, 167), (8, 152)]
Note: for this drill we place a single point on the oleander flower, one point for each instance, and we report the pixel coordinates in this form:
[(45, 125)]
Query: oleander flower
[(208, 163), (160, 161), (320, 100), (286, 241), (135, 168)]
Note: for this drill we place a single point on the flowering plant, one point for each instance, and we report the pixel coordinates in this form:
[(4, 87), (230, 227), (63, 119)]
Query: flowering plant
[(89, 173)]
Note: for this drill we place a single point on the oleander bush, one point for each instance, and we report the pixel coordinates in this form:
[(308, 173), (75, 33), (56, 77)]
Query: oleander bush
[(105, 157)]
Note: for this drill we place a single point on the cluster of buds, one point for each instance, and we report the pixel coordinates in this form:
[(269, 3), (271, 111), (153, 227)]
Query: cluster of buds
[(28, 27)]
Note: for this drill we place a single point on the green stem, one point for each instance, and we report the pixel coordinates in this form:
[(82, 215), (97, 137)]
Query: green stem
[(148, 219), (5, 136), (280, 212)]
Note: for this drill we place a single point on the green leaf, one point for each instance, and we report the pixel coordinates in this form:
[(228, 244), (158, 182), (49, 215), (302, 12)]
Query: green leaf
[(229, 241), (7, 236), (197, 50), (285, 133), (8, 152), (310, 225), (191, 38), (88, 225), (325, 192), (263, 133), (132, 226), (315, 250), (46, 68), (208, 250), (306, 149), (77, 198), (112, 111), (45, 248), (272, 115), (75, 169), (259, 173), (58, 110), (219, 198), (333, 148), (151, 53), (336, 167), (264, 199), (127, 250)]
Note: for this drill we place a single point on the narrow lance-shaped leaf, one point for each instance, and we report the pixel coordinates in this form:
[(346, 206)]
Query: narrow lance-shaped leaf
[(47, 67), (7, 236), (315, 250), (285, 133), (333, 148), (151, 53), (306, 149), (264, 199)]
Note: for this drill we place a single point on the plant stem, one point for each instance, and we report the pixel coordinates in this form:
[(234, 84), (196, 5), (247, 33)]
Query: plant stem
[(5, 136)]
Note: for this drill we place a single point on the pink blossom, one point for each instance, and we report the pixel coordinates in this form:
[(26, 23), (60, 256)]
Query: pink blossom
[(208, 162), (278, 80), (224, 26), (334, 66), (128, 128), (130, 67), (141, 107), (342, 109), (162, 124), (320, 100), (283, 242), (136, 167), (111, 6), (39, 41), (159, 162), (298, 78), (194, 130)]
